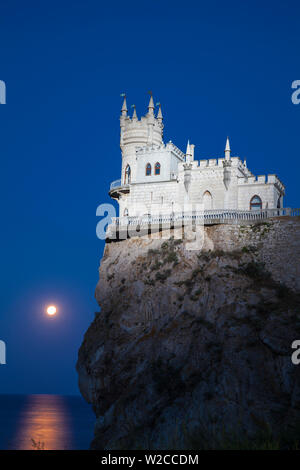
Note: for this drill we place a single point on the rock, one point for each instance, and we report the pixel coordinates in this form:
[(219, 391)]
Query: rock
[(192, 348)]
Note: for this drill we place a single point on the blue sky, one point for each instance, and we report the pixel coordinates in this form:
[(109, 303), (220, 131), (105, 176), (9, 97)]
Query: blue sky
[(218, 68)]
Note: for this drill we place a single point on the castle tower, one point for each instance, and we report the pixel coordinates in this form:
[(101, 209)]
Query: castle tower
[(135, 133)]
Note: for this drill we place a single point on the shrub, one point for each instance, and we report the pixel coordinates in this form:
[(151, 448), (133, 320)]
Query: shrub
[(162, 276), (255, 270), (156, 265), (151, 251), (172, 257)]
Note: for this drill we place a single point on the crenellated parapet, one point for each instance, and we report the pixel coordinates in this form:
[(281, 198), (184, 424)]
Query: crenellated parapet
[(270, 179), (169, 147), (144, 131)]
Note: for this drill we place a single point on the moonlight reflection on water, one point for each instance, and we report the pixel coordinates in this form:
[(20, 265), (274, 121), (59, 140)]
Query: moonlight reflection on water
[(52, 421)]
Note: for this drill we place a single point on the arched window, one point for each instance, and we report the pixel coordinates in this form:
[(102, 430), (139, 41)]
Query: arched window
[(255, 204), (125, 212), (207, 201), (148, 169), (157, 168), (127, 175)]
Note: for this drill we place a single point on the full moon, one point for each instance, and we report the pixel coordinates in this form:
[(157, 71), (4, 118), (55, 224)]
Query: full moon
[(51, 310)]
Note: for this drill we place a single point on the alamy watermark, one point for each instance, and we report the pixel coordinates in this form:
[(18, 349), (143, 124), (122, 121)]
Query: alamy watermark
[(296, 94), (2, 92), (2, 352), (296, 354), (176, 221)]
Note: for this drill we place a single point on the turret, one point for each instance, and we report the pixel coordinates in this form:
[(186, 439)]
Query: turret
[(227, 150), (227, 165), (124, 107), (135, 132), (151, 120), (188, 154), (151, 105), (123, 118), (159, 116), (134, 115)]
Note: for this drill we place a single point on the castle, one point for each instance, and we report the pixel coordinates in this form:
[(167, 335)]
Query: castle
[(160, 178)]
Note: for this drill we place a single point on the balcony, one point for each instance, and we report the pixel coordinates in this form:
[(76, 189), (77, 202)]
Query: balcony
[(117, 188)]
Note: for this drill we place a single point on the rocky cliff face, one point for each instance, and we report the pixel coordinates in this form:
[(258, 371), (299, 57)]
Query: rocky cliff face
[(192, 348)]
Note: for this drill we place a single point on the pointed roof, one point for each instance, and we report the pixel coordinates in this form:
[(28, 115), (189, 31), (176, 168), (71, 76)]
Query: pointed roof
[(159, 114), (227, 147), (124, 107), (134, 116), (151, 104), (188, 149)]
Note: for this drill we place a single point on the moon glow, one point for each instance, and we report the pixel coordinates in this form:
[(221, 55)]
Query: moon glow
[(51, 310)]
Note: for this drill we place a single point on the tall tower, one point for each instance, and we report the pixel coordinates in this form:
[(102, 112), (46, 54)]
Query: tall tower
[(135, 133)]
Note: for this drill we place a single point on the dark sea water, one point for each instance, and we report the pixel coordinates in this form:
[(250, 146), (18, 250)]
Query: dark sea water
[(55, 421)]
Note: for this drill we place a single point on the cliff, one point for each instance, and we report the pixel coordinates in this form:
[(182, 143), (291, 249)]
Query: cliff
[(192, 348)]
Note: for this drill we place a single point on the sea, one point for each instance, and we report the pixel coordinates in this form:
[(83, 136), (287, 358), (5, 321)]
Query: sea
[(50, 422)]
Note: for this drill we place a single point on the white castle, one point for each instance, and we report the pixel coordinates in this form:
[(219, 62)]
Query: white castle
[(160, 178)]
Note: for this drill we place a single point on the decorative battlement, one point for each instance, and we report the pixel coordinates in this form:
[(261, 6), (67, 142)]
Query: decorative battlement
[(263, 179), (147, 149), (146, 131)]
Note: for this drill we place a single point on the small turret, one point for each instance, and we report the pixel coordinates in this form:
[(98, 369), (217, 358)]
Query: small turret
[(159, 116), (134, 115), (124, 107), (188, 154), (150, 120), (151, 105), (123, 118), (227, 165), (227, 150)]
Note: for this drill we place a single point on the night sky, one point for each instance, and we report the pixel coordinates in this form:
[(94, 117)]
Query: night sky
[(218, 68)]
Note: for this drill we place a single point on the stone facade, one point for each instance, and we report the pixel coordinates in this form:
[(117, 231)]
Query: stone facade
[(159, 178)]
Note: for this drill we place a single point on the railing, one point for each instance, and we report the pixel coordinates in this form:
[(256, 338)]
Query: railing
[(115, 184), (205, 217)]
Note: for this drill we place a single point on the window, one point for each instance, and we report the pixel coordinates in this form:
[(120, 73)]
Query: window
[(148, 169), (157, 169), (127, 175), (255, 204), (207, 201)]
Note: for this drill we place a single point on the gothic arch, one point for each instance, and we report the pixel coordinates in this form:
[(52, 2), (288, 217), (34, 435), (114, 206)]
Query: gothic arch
[(207, 201), (157, 168), (255, 203), (148, 169)]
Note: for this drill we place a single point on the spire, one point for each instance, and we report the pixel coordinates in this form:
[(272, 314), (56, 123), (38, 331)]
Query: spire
[(188, 153), (227, 150), (124, 107), (159, 116), (134, 116), (151, 104)]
